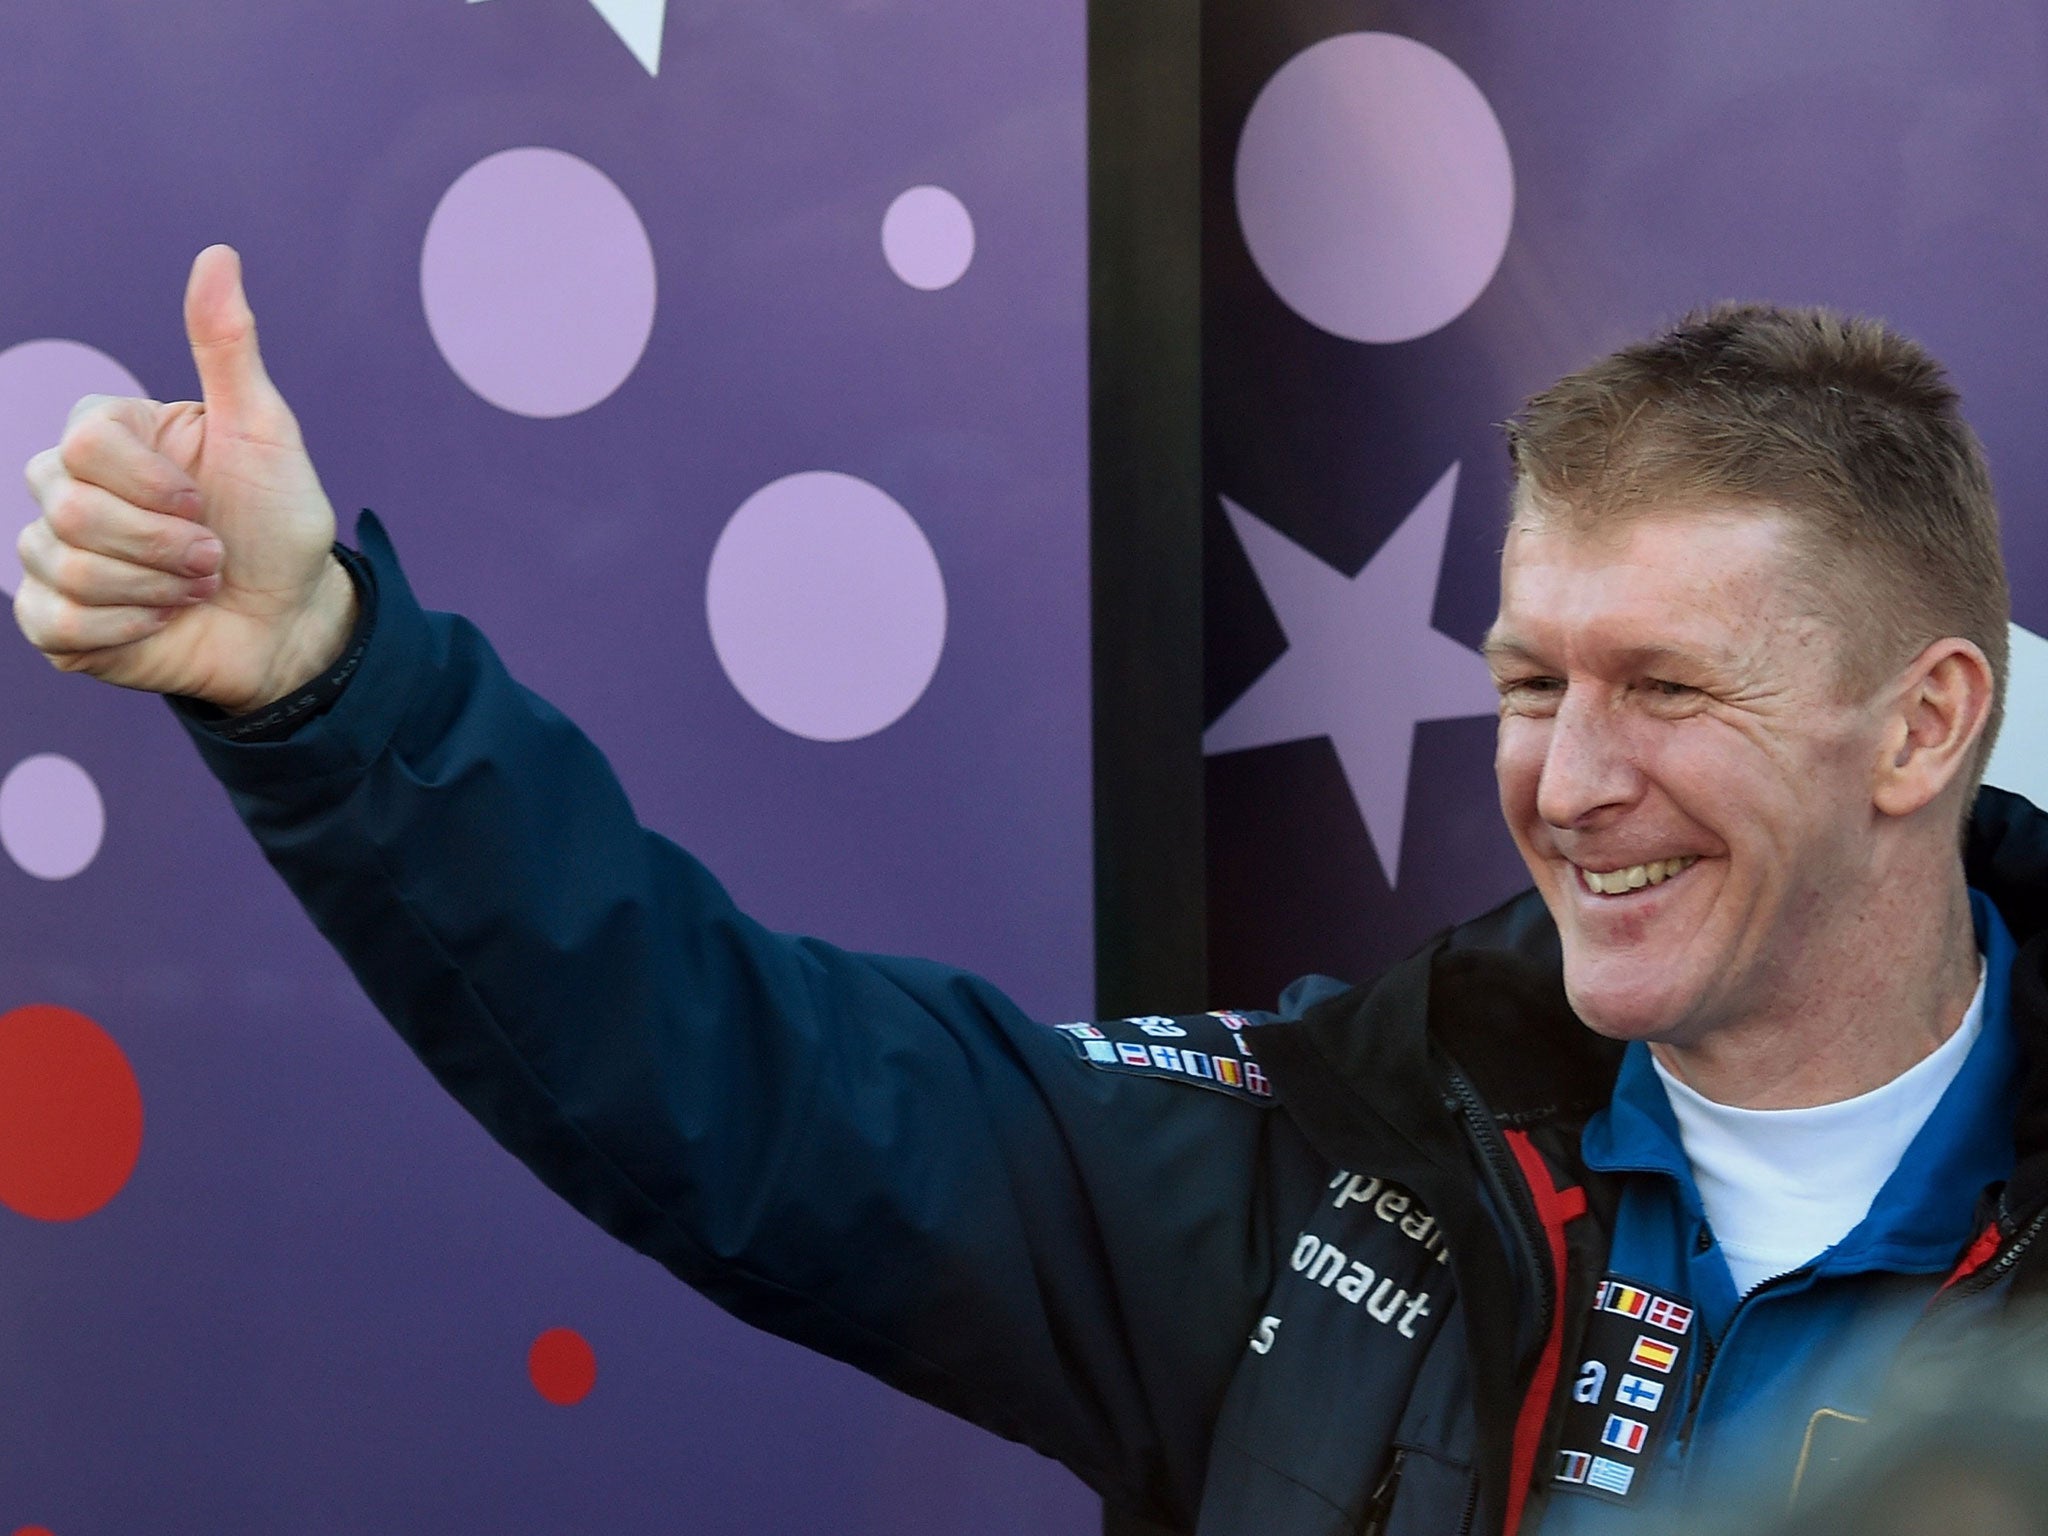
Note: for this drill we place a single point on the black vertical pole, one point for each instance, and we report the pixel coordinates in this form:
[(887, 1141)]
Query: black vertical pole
[(1146, 423), (1144, 137)]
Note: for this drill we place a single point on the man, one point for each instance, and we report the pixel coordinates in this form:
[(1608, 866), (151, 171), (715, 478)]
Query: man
[(1429, 1256)]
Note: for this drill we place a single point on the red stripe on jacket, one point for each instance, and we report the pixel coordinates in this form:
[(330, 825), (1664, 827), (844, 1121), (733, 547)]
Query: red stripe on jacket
[(1554, 1207), (1975, 1257)]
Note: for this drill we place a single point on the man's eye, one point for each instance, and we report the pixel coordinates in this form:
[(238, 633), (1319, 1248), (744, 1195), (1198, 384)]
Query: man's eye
[(1529, 687), (1663, 687)]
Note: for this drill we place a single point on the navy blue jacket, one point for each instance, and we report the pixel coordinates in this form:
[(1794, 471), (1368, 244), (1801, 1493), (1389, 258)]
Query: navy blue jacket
[(1338, 1306)]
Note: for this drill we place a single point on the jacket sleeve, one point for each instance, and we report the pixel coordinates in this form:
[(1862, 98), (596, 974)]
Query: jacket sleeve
[(879, 1158)]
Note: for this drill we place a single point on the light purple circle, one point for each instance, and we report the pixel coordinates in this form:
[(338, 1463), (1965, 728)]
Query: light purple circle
[(1374, 187), (39, 383), (928, 238), (538, 282), (51, 816), (827, 606)]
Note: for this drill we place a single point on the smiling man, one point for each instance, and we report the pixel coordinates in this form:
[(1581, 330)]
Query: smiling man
[(1611, 1203), (1750, 653)]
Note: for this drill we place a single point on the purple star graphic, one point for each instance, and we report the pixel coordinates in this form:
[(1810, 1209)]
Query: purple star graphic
[(1363, 664)]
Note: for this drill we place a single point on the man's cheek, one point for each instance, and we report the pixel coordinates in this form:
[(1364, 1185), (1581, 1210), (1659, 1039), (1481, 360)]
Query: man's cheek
[(1518, 773), (1518, 748)]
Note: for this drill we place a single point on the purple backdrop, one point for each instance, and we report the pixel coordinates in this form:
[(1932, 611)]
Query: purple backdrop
[(817, 284), (810, 296), (1417, 215)]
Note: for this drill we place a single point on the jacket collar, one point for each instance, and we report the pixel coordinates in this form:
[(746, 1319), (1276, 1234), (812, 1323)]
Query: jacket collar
[(2006, 855)]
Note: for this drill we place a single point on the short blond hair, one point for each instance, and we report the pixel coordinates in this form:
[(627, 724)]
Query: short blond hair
[(1848, 428)]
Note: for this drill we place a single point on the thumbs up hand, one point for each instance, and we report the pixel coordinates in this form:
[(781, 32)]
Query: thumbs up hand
[(186, 548)]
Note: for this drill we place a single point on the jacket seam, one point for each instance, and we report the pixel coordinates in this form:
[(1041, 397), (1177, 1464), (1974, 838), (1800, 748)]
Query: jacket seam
[(1288, 1477)]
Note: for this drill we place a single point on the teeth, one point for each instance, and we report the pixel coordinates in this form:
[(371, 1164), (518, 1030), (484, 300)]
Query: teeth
[(1635, 877)]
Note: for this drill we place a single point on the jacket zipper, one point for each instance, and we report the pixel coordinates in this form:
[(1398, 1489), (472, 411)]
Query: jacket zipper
[(1993, 1272), (1518, 1206), (1700, 1373), (1506, 1180), (1709, 1348), (1381, 1508), (1471, 1508), (1382, 1504)]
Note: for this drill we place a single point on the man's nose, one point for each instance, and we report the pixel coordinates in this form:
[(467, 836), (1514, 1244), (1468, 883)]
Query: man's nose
[(1587, 764)]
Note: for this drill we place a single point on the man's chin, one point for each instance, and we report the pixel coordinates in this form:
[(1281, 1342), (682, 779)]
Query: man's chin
[(1621, 1008)]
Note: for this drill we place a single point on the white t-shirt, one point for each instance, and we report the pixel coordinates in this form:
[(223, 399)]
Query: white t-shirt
[(1782, 1186)]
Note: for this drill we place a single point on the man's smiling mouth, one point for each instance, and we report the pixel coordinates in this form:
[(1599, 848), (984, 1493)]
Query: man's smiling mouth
[(1618, 882)]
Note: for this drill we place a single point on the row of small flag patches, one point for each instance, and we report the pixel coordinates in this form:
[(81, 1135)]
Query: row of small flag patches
[(1230, 1071), (1643, 1306), (1598, 1471)]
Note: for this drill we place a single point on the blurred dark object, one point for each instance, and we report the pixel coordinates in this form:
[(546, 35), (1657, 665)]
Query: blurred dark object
[(1959, 1449), (1117, 1523)]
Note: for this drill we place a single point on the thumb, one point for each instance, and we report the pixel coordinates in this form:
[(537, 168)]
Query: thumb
[(222, 330)]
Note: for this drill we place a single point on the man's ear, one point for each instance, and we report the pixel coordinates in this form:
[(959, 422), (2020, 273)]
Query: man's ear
[(1940, 704)]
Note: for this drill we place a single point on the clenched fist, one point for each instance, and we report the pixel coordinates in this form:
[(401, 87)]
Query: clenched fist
[(187, 548)]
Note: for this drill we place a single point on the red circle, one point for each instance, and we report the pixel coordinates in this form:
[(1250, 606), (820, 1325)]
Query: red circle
[(35, 1530), (563, 1366), (70, 1114)]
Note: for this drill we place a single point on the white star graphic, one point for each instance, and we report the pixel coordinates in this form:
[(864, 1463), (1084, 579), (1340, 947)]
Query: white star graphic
[(1363, 664), (637, 24)]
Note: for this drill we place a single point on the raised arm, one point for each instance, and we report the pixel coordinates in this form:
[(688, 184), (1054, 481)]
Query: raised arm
[(880, 1158)]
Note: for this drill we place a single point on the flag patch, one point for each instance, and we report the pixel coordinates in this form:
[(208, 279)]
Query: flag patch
[(1667, 1314), (1654, 1353), (1626, 1300), (1613, 1476), (1638, 1392), (1624, 1434)]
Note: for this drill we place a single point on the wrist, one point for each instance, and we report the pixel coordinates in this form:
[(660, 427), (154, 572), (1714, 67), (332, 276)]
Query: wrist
[(315, 644)]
